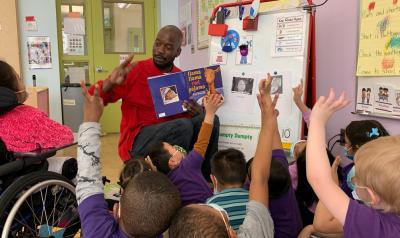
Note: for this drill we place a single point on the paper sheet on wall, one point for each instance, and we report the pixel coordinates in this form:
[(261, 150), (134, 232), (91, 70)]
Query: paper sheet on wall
[(379, 40), (74, 25), (288, 39), (240, 138), (39, 52), (76, 74), (185, 13), (278, 5), (75, 44)]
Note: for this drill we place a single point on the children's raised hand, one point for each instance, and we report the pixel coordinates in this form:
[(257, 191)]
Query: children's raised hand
[(118, 75), (298, 91), (267, 105), (212, 102), (93, 108), (326, 106), (334, 169)]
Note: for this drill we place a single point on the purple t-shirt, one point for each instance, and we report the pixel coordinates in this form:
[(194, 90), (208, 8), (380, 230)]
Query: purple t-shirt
[(96, 219), (363, 221), (189, 180), (284, 210)]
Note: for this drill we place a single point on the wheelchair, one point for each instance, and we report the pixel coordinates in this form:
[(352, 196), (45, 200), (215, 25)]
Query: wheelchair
[(35, 202)]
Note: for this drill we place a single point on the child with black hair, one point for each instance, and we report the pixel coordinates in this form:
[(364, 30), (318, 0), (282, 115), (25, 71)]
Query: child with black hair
[(149, 200), (183, 170), (228, 174), (210, 220), (283, 204)]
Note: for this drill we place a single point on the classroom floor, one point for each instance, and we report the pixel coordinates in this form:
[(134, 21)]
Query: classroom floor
[(111, 163)]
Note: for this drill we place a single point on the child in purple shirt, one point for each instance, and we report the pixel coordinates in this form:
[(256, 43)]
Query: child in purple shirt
[(185, 171), (376, 180), (149, 200), (283, 204)]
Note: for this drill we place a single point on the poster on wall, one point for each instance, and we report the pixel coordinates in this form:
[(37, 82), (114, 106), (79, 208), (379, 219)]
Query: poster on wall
[(383, 99), (30, 23), (244, 53), (365, 99), (240, 138), (278, 5), (396, 103), (289, 35), (39, 52), (379, 39), (204, 9)]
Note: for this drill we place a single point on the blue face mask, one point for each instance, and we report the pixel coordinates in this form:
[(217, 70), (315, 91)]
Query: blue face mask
[(347, 153), (350, 176)]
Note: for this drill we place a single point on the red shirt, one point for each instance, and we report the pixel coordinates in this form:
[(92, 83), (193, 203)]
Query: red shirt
[(137, 105)]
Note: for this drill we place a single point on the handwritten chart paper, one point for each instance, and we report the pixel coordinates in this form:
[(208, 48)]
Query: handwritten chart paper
[(379, 40)]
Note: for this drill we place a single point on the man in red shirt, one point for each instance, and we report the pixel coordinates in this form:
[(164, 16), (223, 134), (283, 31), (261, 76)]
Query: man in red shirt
[(139, 125)]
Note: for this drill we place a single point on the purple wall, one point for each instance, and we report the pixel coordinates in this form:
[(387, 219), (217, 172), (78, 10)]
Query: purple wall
[(337, 36), (337, 43)]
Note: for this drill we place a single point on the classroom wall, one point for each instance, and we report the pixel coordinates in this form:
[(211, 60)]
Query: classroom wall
[(9, 48), (200, 57), (168, 15), (45, 14), (337, 44)]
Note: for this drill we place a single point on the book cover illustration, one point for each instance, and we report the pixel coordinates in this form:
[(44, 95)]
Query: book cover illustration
[(170, 91)]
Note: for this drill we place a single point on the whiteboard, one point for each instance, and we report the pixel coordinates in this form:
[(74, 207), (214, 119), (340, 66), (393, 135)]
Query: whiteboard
[(241, 109)]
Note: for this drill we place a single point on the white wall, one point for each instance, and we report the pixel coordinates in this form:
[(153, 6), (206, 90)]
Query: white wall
[(45, 15), (168, 15)]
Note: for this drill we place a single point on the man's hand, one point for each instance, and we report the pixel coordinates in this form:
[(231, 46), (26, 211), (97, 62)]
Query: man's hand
[(267, 105), (298, 92), (94, 106), (118, 75), (193, 107), (326, 106), (212, 103)]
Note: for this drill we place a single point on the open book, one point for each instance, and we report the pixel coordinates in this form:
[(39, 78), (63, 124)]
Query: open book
[(171, 90)]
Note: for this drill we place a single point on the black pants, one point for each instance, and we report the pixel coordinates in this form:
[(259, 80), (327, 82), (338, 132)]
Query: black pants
[(182, 132)]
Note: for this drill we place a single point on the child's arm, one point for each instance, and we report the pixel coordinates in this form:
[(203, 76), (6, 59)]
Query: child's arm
[(262, 159), (211, 104), (318, 168), (324, 222), (276, 142), (89, 168), (297, 94)]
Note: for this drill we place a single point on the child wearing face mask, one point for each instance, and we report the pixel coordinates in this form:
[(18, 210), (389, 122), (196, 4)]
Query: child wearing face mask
[(183, 170), (358, 133), (22, 127), (376, 180), (228, 174)]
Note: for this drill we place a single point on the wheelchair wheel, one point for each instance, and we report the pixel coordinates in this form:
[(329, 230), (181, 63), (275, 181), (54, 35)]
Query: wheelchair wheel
[(40, 204)]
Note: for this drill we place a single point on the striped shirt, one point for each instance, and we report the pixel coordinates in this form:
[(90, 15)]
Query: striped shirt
[(234, 201)]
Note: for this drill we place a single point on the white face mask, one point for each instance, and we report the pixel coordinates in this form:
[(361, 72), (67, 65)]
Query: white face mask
[(356, 197)]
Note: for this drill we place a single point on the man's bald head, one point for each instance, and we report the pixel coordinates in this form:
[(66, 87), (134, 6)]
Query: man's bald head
[(174, 32), (167, 46)]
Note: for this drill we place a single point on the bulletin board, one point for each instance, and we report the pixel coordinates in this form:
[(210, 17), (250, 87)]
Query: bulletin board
[(378, 64), (280, 46)]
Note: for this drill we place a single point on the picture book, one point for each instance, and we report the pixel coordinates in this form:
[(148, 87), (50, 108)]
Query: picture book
[(170, 91)]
